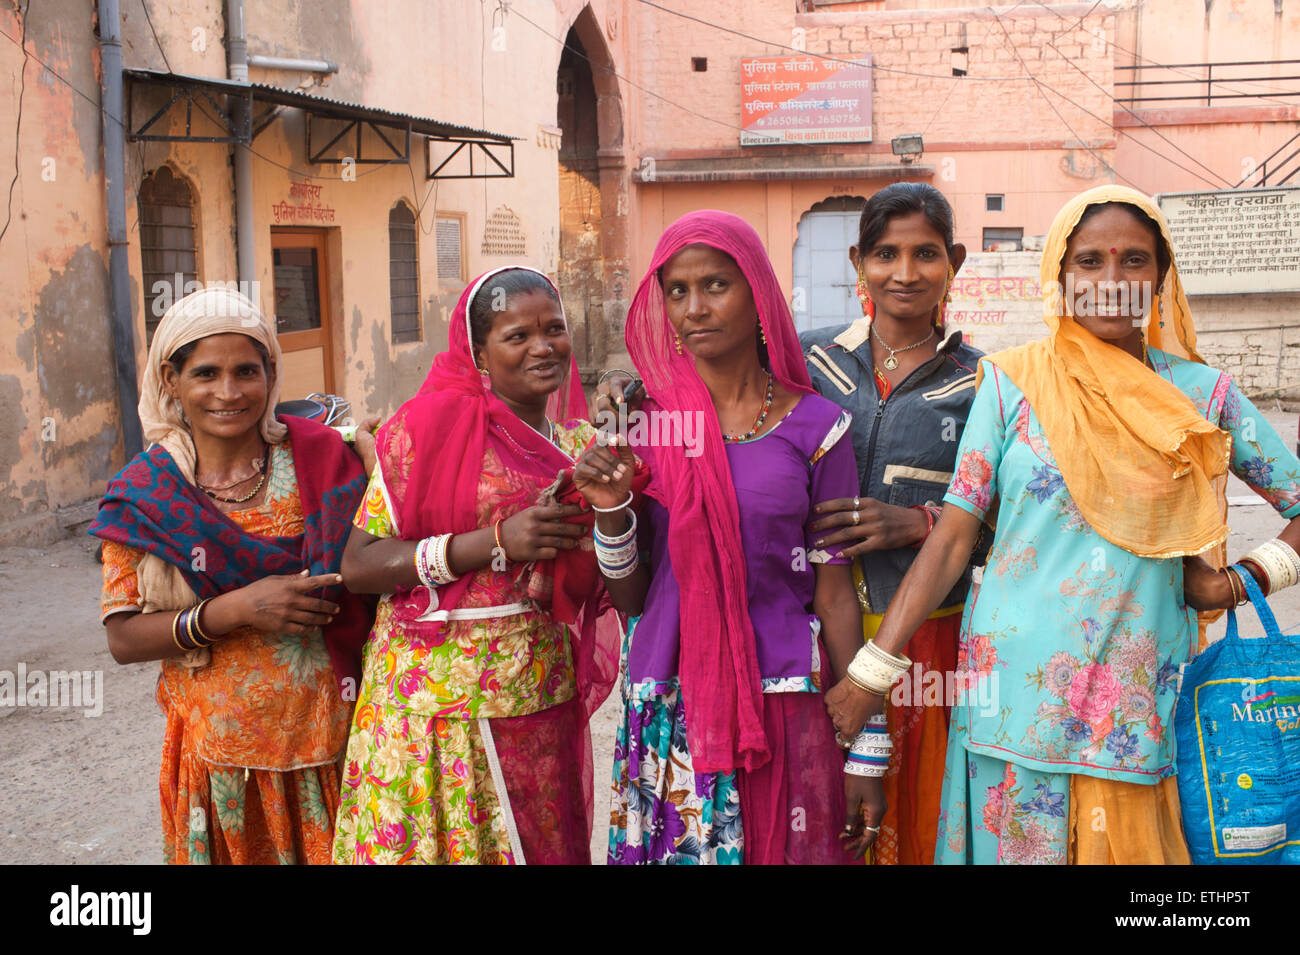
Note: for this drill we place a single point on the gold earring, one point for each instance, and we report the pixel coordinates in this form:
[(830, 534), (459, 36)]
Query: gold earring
[(761, 336), (868, 306), (942, 319), (677, 343)]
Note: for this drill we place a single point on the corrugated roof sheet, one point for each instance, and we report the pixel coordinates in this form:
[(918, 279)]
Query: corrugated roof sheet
[(323, 106)]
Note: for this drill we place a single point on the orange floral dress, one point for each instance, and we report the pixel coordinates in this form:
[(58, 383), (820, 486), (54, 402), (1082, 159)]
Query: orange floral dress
[(253, 739)]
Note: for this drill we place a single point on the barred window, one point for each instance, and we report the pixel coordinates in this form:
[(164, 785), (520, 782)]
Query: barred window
[(403, 274), (168, 259)]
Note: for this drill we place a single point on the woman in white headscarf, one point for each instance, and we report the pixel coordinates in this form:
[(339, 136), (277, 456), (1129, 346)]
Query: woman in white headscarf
[(222, 545)]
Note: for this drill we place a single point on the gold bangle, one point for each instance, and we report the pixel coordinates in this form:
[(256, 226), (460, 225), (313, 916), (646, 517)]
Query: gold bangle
[(176, 632), (189, 629), (863, 687), (198, 623), (496, 532)]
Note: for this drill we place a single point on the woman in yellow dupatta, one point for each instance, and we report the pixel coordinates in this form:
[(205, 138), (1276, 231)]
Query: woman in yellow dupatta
[(1099, 453)]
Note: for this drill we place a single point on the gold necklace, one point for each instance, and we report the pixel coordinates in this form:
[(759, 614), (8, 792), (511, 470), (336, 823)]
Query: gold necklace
[(211, 492)]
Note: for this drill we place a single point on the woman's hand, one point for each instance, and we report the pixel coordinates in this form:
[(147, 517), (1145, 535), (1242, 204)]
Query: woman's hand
[(277, 604), (878, 526), (609, 398), (541, 532), (864, 798), (850, 707), (364, 444), (604, 472), (1205, 588)]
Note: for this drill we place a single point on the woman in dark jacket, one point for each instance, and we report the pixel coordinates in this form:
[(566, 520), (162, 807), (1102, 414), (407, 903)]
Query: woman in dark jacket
[(909, 386)]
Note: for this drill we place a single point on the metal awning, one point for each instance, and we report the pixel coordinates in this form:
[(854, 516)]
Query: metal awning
[(497, 148)]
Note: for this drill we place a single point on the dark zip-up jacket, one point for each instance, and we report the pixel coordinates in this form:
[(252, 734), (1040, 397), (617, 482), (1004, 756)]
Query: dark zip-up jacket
[(906, 444)]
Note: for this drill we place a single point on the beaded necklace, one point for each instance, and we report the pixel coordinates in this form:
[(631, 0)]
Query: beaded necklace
[(762, 416)]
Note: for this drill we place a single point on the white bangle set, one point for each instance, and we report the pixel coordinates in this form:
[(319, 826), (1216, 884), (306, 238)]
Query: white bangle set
[(617, 556), (874, 670), (1279, 562), (431, 561), (869, 755)]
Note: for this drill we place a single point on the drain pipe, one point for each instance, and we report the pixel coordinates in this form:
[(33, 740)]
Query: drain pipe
[(237, 65), (112, 115), (292, 65)]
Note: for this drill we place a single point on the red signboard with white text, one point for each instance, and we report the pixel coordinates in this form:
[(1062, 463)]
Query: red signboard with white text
[(804, 99)]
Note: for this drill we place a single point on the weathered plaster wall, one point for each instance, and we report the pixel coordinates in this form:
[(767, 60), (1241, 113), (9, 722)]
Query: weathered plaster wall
[(461, 63)]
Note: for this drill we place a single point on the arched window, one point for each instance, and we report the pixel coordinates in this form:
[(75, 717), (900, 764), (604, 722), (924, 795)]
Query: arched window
[(168, 259), (403, 274)]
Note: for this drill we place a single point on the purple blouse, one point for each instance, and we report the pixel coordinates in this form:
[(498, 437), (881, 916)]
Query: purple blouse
[(778, 478)]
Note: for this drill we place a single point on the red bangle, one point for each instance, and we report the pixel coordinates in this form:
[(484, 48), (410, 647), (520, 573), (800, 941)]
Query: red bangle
[(929, 521), (496, 532), (1261, 578)]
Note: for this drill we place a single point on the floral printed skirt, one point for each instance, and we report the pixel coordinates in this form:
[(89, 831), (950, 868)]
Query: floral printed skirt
[(436, 790), (1000, 813), (789, 811), (229, 815)]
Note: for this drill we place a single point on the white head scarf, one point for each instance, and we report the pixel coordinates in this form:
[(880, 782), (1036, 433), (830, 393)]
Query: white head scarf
[(211, 311)]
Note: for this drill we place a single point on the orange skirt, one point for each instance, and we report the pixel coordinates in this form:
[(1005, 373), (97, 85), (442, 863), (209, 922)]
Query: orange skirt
[(228, 815), (918, 714)]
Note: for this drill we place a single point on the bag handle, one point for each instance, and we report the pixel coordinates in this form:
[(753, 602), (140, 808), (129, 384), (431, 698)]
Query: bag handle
[(1271, 629)]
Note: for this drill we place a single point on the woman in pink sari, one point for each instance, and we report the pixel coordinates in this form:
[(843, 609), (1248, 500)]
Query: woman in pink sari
[(725, 754), (469, 741)]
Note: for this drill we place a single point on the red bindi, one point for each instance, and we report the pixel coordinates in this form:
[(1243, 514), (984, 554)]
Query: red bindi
[(1112, 251)]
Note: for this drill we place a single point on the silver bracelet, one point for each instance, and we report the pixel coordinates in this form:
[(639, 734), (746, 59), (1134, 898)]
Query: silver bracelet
[(617, 507), (614, 371)]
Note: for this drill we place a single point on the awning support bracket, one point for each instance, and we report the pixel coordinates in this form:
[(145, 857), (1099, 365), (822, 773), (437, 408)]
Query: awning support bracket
[(317, 155), (504, 170)]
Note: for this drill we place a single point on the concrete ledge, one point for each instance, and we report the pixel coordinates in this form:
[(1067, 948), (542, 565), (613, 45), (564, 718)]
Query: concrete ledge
[(37, 530), (866, 17), (713, 170)]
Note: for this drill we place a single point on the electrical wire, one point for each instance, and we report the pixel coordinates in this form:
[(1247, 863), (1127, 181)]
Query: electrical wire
[(1145, 124), (1033, 79), (145, 6), (1156, 63), (627, 79), (1039, 84), (18, 126), (1101, 119), (93, 101)]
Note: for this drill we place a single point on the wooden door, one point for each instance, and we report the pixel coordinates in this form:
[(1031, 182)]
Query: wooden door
[(302, 311)]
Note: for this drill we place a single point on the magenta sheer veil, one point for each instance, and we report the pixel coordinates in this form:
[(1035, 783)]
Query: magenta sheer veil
[(718, 662)]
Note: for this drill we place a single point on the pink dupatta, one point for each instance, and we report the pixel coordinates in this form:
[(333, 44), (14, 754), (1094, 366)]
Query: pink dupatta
[(431, 452), (718, 661)]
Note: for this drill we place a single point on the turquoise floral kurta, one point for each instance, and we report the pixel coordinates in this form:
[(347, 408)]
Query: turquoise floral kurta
[(1071, 645)]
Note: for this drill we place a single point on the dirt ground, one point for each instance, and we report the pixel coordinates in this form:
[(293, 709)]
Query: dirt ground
[(77, 789)]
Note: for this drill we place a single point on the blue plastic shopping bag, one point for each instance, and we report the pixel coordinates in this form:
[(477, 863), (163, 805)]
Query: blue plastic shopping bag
[(1237, 725)]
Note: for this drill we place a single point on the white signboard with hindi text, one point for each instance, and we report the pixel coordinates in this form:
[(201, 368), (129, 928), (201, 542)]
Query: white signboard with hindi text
[(1235, 240)]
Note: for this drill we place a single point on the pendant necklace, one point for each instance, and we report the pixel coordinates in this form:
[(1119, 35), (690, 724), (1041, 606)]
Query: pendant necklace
[(891, 362)]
